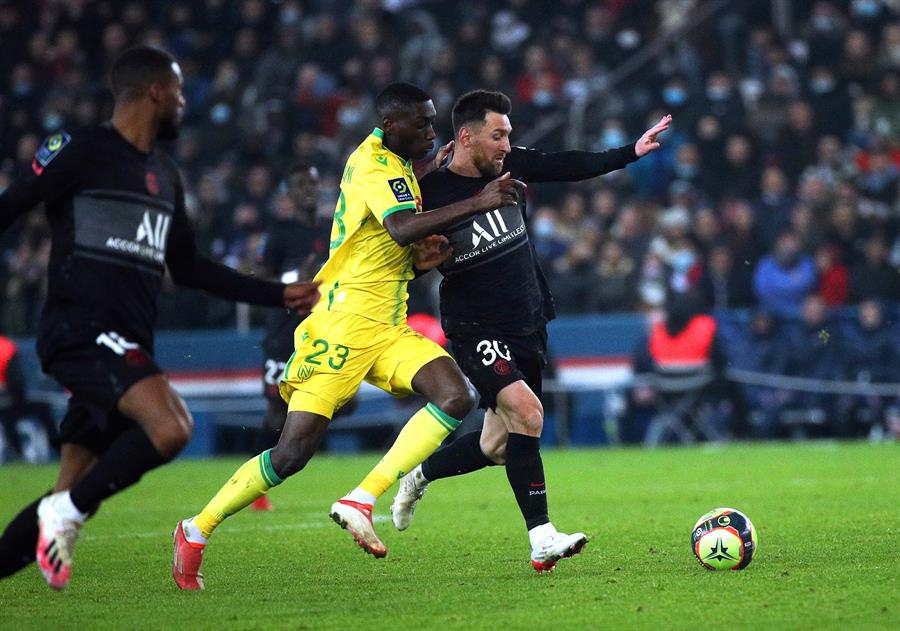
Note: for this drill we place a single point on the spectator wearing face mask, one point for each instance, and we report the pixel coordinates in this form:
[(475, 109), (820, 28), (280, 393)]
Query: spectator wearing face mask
[(785, 277), (723, 101), (831, 102), (544, 233)]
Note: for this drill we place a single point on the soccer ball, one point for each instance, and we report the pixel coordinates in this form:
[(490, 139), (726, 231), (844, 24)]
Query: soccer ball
[(724, 539)]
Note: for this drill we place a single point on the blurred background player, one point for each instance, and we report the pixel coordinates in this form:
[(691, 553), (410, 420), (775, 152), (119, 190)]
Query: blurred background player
[(358, 330), (495, 305), (294, 248), (116, 209)]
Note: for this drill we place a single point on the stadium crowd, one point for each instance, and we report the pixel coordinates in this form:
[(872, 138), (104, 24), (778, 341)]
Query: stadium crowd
[(779, 180)]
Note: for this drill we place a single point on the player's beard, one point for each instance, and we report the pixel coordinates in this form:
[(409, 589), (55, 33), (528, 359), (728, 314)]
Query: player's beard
[(486, 165)]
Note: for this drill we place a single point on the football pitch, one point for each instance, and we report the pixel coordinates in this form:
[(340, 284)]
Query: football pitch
[(828, 517)]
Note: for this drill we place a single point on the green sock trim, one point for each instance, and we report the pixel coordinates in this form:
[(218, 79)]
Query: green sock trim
[(265, 469), (442, 417)]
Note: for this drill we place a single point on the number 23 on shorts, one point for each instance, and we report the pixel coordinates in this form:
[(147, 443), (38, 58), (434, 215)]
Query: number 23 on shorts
[(334, 355)]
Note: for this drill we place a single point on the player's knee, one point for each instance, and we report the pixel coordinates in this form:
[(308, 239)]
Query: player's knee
[(528, 418), (287, 458), (172, 435), (456, 401)]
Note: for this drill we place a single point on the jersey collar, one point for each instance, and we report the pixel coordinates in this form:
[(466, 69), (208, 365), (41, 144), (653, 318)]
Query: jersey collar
[(379, 133)]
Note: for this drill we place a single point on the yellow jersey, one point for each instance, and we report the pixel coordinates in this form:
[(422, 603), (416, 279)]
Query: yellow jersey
[(367, 271)]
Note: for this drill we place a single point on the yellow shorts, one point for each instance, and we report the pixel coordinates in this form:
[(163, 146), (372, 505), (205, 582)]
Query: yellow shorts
[(336, 351)]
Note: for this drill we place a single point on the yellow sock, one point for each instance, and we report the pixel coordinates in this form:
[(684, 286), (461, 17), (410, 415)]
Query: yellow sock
[(420, 437), (250, 481)]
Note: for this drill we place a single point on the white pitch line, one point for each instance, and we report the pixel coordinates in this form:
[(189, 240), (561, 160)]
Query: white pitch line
[(303, 525)]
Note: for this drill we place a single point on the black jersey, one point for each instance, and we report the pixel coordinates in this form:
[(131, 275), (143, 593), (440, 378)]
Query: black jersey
[(287, 247), (117, 220), (493, 277)]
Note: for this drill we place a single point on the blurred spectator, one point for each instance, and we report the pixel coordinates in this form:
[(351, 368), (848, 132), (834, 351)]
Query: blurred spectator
[(830, 101), (764, 351), (614, 286), (773, 208), (874, 278), (726, 285), (768, 133), (813, 346), (869, 352), (834, 279), (785, 277), (879, 181), (573, 274)]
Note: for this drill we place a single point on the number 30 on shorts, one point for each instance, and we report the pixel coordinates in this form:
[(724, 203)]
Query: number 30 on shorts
[(491, 350)]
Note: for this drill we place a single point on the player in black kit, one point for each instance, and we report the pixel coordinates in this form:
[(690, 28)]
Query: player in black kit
[(115, 206), (295, 247), (495, 305)]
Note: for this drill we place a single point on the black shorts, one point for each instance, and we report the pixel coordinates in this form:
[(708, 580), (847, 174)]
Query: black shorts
[(273, 368), (97, 372), (493, 360)]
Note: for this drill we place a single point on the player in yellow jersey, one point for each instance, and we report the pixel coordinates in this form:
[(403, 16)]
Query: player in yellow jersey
[(358, 330)]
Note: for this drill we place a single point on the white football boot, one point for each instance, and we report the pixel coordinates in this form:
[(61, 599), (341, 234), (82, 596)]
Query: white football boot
[(556, 546), (56, 542), (412, 488)]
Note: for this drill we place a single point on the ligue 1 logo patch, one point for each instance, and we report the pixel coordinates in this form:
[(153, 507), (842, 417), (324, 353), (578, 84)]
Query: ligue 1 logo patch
[(152, 183), (401, 191), (48, 150)]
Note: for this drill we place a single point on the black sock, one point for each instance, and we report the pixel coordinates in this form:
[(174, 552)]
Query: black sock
[(463, 455), (19, 540), (129, 457), (525, 471)]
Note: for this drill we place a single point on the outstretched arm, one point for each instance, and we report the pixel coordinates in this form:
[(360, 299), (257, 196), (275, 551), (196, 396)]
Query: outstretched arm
[(574, 166), (190, 269)]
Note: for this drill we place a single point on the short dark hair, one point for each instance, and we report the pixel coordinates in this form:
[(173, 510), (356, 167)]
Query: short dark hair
[(138, 67), (473, 106), (398, 97)]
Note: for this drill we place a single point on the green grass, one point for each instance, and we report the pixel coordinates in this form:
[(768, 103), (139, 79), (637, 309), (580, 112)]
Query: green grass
[(828, 517)]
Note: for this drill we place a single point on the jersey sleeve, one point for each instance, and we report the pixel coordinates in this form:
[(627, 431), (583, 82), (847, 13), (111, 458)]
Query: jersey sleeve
[(53, 173), (190, 269), (387, 190), (531, 165)]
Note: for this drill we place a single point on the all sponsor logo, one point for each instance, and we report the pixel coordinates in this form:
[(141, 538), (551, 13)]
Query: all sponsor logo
[(149, 240)]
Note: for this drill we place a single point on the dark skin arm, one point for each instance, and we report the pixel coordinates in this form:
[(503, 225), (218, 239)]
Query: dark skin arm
[(406, 226)]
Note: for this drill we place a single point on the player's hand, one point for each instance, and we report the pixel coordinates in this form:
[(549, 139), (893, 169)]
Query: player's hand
[(442, 154), (430, 252), (648, 142), (504, 191), (301, 297), (424, 168)]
